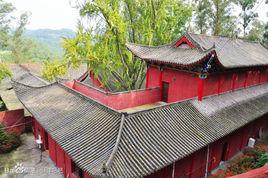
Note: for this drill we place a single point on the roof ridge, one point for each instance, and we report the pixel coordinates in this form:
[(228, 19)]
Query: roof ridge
[(108, 163), (30, 86), (151, 46), (222, 36), (38, 77), (191, 99)]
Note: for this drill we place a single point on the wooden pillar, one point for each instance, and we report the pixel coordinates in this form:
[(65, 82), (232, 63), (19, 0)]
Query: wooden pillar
[(147, 76), (242, 139), (160, 81), (259, 80), (192, 165), (201, 83), (246, 78), (219, 83), (234, 77)]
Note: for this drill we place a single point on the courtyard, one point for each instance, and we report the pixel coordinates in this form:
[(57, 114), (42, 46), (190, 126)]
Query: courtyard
[(27, 161)]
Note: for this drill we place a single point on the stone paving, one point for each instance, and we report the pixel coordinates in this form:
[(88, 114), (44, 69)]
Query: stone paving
[(26, 162)]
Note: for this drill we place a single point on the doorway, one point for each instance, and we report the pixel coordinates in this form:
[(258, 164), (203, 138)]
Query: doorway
[(165, 88), (46, 141), (224, 152)]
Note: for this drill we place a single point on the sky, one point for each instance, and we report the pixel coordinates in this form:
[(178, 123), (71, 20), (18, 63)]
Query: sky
[(53, 14), (57, 14)]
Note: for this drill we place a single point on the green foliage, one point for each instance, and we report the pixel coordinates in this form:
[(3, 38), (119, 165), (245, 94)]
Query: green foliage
[(5, 19), (4, 72), (53, 68), (247, 15), (102, 45), (265, 35), (20, 46), (256, 152), (202, 17), (242, 165), (221, 17), (257, 31), (252, 158), (8, 141), (2, 105), (262, 160)]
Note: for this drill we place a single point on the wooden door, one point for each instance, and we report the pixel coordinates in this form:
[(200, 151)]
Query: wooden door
[(224, 152), (165, 87)]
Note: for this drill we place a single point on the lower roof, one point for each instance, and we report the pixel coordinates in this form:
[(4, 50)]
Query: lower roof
[(105, 142)]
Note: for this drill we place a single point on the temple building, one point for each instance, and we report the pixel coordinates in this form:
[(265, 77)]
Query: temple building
[(205, 97)]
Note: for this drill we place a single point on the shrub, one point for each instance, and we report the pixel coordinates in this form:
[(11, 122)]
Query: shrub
[(8, 141), (256, 152), (242, 165), (262, 160), (2, 105)]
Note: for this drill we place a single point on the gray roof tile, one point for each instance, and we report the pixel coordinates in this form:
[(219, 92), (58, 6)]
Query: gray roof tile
[(142, 142)]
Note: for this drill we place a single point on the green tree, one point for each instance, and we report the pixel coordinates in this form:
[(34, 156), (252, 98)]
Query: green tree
[(202, 18), (53, 68), (221, 17), (265, 35), (4, 72), (257, 31), (102, 44), (247, 15), (5, 10), (19, 45)]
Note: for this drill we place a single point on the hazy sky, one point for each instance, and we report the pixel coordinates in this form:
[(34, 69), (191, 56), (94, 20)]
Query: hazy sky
[(56, 14), (53, 14)]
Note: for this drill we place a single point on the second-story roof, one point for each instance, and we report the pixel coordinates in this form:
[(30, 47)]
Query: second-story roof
[(230, 53)]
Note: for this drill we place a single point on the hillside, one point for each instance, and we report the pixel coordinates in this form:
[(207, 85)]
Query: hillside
[(50, 39)]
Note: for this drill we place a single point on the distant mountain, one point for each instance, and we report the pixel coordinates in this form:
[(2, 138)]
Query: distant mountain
[(49, 38)]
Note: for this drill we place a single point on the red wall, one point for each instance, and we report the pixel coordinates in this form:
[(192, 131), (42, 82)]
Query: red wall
[(120, 100), (183, 85), (14, 120), (95, 81), (52, 149), (153, 77), (60, 158)]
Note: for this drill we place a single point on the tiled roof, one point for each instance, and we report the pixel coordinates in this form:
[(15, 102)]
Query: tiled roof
[(231, 53), (156, 138), (86, 130), (168, 54), (140, 143)]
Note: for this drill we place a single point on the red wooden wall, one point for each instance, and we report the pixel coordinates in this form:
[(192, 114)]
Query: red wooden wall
[(120, 100), (14, 120), (183, 85)]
